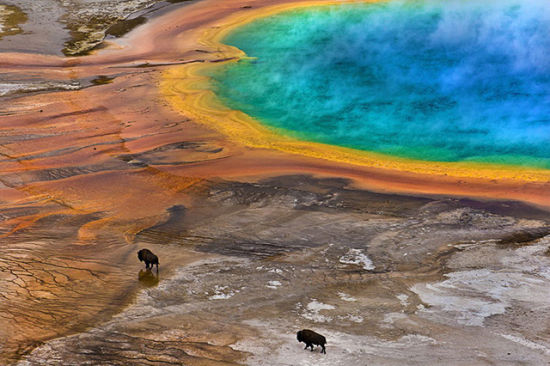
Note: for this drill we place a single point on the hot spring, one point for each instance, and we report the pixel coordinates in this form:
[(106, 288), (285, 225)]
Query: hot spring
[(437, 81)]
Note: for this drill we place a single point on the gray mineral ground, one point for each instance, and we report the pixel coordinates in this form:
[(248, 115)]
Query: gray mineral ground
[(388, 279), (73, 27)]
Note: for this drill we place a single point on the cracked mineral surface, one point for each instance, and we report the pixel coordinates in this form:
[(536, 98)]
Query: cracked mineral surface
[(254, 244)]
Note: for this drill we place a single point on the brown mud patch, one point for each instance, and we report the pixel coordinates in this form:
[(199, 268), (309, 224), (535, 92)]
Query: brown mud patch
[(11, 18)]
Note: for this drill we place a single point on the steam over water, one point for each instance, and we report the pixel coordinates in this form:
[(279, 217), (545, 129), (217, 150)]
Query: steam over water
[(431, 80)]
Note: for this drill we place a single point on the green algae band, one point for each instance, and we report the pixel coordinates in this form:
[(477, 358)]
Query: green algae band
[(437, 81)]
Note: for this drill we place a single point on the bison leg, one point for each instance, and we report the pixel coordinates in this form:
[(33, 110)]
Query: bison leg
[(307, 345), (323, 350)]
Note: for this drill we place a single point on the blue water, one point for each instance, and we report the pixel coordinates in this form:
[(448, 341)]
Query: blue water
[(432, 80)]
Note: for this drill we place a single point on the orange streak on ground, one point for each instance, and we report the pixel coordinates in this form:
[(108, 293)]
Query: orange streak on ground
[(257, 165)]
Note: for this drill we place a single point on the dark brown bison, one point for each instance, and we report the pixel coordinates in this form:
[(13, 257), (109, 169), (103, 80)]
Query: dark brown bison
[(310, 338), (145, 255)]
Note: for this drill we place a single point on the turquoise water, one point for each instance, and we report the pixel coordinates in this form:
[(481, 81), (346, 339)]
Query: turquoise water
[(431, 80)]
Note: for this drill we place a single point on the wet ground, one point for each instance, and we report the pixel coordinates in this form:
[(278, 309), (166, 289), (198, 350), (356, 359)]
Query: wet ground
[(95, 165), (388, 279)]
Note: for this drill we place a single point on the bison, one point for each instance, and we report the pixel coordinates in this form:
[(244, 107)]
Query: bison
[(145, 255), (310, 338)]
